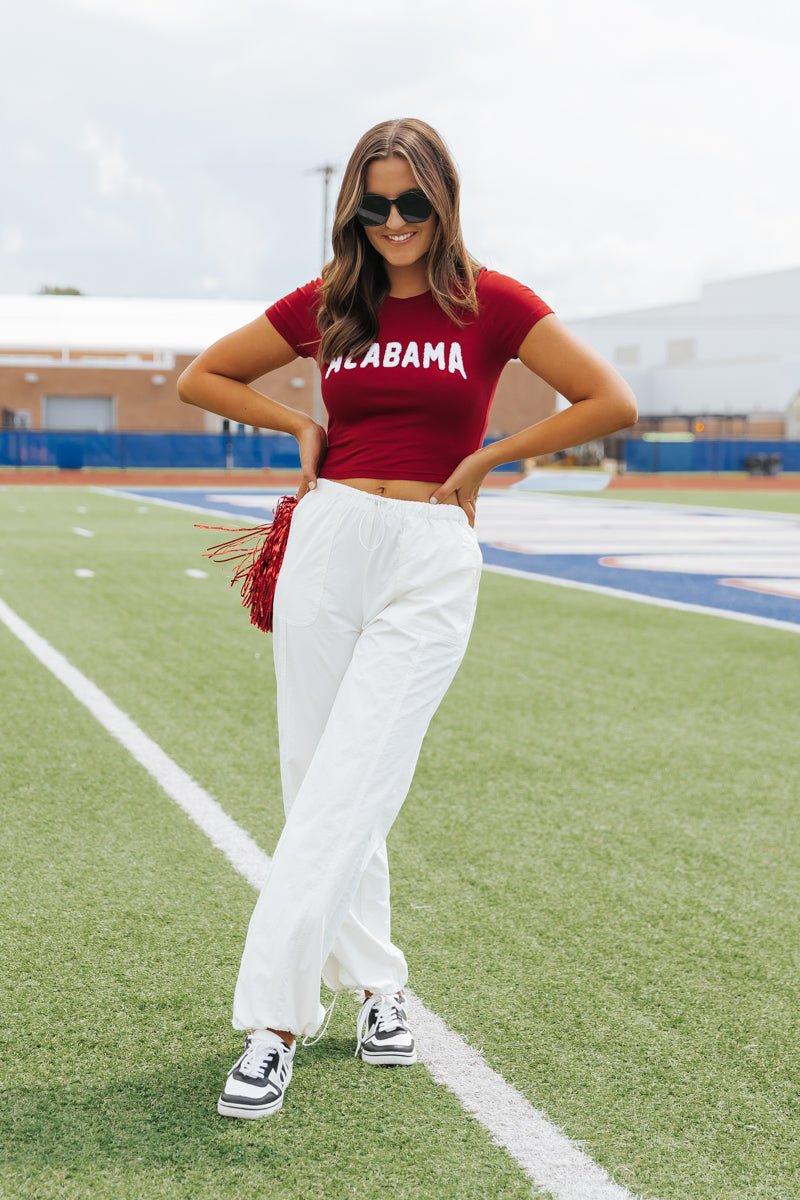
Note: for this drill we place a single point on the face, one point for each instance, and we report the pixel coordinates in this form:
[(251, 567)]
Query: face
[(389, 177)]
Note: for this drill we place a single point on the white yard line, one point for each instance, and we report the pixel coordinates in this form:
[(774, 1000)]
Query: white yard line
[(82, 532), (544, 1152), (659, 601), (237, 846), (195, 508)]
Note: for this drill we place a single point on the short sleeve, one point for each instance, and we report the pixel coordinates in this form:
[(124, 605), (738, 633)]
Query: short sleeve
[(294, 317), (512, 309)]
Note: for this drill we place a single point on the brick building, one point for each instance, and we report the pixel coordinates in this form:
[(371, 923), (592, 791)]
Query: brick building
[(111, 363)]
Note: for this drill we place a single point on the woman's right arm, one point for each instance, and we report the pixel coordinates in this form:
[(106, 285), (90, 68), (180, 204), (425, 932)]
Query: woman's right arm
[(218, 379)]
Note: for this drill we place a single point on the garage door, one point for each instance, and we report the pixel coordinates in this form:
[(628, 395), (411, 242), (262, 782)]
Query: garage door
[(79, 412)]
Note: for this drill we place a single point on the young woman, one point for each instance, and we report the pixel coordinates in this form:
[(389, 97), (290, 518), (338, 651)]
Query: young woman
[(376, 595)]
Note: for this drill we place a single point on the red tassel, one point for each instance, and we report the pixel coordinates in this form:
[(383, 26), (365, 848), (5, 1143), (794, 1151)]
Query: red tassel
[(260, 564)]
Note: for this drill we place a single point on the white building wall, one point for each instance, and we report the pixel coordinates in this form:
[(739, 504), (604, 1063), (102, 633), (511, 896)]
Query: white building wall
[(736, 350), (736, 388)]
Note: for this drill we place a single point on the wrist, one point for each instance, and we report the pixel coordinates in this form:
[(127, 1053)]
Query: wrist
[(490, 457), (299, 422)]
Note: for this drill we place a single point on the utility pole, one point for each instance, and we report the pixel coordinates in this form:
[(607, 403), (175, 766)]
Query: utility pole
[(326, 170)]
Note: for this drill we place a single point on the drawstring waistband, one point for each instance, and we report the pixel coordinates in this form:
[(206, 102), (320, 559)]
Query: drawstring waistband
[(374, 511), (391, 507)]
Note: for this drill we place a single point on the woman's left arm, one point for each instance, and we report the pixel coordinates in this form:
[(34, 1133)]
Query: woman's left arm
[(601, 402)]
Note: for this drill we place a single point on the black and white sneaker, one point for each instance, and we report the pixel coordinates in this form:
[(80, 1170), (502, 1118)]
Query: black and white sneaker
[(258, 1080), (384, 1038)]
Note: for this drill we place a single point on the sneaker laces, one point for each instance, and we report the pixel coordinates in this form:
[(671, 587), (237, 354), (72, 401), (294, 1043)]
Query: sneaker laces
[(260, 1058), (389, 1009)]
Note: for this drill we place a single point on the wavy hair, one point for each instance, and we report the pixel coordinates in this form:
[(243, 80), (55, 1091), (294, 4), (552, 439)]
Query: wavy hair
[(354, 280)]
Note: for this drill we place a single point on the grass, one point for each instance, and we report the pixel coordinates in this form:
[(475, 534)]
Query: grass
[(594, 882)]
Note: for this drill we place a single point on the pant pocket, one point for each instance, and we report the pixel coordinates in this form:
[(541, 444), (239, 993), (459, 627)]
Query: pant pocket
[(445, 570), (307, 559), (470, 539)]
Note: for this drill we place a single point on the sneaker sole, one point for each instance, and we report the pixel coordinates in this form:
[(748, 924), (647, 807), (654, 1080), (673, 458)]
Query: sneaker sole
[(389, 1058), (249, 1112)]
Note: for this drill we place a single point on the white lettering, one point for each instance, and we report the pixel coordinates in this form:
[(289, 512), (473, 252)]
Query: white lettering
[(455, 362), (434, 354), (395, 354), (411, 356)]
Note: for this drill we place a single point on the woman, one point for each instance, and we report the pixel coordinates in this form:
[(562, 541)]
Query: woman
[(376, 595)]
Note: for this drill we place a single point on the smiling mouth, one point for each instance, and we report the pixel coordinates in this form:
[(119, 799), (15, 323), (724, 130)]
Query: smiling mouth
[(405, 237)]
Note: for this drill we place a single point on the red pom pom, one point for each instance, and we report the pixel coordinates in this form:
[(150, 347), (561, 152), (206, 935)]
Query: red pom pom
[(258, 570)]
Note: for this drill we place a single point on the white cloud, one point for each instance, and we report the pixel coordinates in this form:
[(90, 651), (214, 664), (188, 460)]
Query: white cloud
[(11, 240), (168, 15), (114, 174), (610, 156)]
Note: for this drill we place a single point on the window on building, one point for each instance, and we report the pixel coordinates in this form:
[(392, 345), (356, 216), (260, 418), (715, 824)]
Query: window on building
[(680, 351), (79, 412), (792, 428)]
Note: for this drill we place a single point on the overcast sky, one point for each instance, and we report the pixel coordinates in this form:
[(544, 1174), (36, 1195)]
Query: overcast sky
[(612, 156)]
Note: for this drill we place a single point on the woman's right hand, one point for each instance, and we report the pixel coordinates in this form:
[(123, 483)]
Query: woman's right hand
[(312, 441)]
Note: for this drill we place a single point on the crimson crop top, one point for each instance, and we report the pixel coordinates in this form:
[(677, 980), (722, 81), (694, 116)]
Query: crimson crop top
[(418, 400)]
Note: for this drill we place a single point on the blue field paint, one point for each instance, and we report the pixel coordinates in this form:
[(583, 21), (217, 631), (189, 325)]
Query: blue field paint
[(759, 545), (239, 503), (704, 590)]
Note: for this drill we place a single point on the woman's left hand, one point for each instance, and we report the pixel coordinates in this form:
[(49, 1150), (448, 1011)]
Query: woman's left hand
[(466, 482)]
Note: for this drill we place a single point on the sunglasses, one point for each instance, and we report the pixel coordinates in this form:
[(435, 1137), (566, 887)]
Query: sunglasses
[(413, 206)]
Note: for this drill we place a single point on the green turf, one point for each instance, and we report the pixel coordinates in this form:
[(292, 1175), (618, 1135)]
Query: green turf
[(594, 881), (779, 501), (125, 935)]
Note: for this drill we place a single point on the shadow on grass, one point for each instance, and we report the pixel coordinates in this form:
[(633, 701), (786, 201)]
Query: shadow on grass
[(169, 1116)]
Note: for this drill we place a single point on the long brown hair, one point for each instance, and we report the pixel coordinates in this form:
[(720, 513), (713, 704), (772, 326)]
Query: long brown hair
[(354, 281)]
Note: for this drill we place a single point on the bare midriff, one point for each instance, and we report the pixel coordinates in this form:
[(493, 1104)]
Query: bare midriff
[(399, 489)]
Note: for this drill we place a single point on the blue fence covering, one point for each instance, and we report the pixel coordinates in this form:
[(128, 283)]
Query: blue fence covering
[(707, 454), (74, 449)]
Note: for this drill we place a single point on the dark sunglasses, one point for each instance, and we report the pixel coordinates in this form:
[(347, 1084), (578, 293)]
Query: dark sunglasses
[(413, 206)]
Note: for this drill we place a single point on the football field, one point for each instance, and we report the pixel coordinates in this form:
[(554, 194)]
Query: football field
[(594, 876)]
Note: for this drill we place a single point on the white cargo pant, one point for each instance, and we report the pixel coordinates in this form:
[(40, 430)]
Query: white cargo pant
[(373, 609)]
